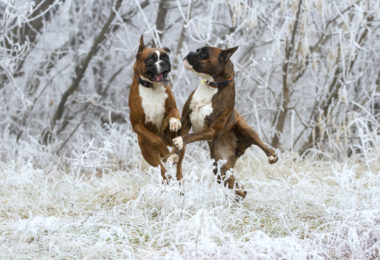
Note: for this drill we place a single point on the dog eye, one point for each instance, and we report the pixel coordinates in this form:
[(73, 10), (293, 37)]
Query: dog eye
[(203, 53), (152, 58), (198, 51)]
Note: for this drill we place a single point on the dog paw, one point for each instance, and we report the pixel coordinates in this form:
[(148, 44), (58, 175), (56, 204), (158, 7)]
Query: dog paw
[(273, 158), (240, 195), (178, 142), (174, 124), (173, 158)]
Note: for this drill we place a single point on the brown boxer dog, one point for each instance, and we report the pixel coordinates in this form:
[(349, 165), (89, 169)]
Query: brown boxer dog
[(210, 112), (153, 111)]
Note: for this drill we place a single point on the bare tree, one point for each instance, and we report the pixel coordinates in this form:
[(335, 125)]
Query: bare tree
[(290, 48), (17, 36), (80, 69), (302, 68)]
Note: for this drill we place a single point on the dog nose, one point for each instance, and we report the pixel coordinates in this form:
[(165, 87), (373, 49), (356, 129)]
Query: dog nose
[(162, 66), (165, 66)]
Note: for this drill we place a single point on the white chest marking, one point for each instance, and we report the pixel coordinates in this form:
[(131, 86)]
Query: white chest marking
[(153, 103), (201, 105)]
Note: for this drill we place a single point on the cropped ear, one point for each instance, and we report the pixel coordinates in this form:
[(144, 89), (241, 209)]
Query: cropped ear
[(167, 49), (142, 45), (226, 54)]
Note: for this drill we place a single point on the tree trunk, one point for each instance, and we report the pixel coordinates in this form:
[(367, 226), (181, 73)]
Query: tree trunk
[(289, 51), (80, 70), (161, 17), (333, 92)]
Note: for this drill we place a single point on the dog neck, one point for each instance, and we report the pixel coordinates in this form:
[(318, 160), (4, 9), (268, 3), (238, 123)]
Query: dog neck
[(144, 82), (147, 83), (220, 83)]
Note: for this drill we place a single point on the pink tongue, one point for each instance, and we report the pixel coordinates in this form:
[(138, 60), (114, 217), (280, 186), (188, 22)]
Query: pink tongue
[(159, 77)]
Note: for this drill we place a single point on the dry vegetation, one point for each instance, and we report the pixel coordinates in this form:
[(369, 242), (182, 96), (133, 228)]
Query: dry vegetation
[(308, 80)]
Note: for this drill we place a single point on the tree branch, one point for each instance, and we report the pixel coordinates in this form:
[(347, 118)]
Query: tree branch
[(81, 68), (289, 49)]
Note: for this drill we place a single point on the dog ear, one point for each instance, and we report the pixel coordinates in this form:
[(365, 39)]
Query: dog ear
[(226, 54), (142, 45), (167, 49)]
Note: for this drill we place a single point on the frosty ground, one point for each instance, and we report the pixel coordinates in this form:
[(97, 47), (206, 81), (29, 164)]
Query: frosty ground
[(306, 79), (98, 204)]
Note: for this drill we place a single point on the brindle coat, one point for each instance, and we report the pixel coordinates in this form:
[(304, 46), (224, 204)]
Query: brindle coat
[(227, 133)]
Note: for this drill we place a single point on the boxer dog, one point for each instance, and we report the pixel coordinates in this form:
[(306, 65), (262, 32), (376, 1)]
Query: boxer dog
[(210, 112), (153, 111)]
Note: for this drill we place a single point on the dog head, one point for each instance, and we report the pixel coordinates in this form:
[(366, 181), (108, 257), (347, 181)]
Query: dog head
[(209, 62), (152, 64)]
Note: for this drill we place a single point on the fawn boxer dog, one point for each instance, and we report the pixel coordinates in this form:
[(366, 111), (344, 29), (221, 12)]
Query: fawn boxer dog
[(153, 111), (210, 112)]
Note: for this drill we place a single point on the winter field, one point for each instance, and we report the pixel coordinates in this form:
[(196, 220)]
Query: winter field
[(105, 207), (307, 80)]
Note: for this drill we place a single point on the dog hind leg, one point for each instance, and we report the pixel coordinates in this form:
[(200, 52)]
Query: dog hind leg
[(179, 164), (153, 154), (225, 149), (246, 137)]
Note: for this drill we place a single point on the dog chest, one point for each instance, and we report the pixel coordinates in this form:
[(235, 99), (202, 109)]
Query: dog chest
[(201, 105), (153, 104)]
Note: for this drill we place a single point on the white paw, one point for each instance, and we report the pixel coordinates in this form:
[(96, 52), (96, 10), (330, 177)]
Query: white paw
[(272, 159), (174, 124), (178, 142), (173, 158)]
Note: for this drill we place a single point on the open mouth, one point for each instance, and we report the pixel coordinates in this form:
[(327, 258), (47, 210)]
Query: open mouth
[(161, 77)]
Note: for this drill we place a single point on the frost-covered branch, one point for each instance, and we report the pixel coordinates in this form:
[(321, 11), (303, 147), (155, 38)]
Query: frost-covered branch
[(80, 69)]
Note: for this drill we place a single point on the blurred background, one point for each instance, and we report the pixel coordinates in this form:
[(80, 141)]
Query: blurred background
[(307, 72)]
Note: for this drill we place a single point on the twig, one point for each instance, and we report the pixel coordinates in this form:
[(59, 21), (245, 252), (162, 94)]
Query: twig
[(101, 205), (81, 68)]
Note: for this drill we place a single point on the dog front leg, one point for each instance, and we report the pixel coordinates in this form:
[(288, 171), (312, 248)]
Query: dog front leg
[(204, 135), (172, 120), (180, 153)]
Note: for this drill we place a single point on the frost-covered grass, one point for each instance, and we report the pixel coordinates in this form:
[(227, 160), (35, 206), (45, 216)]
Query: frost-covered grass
[(83, 195), (98, 204)]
